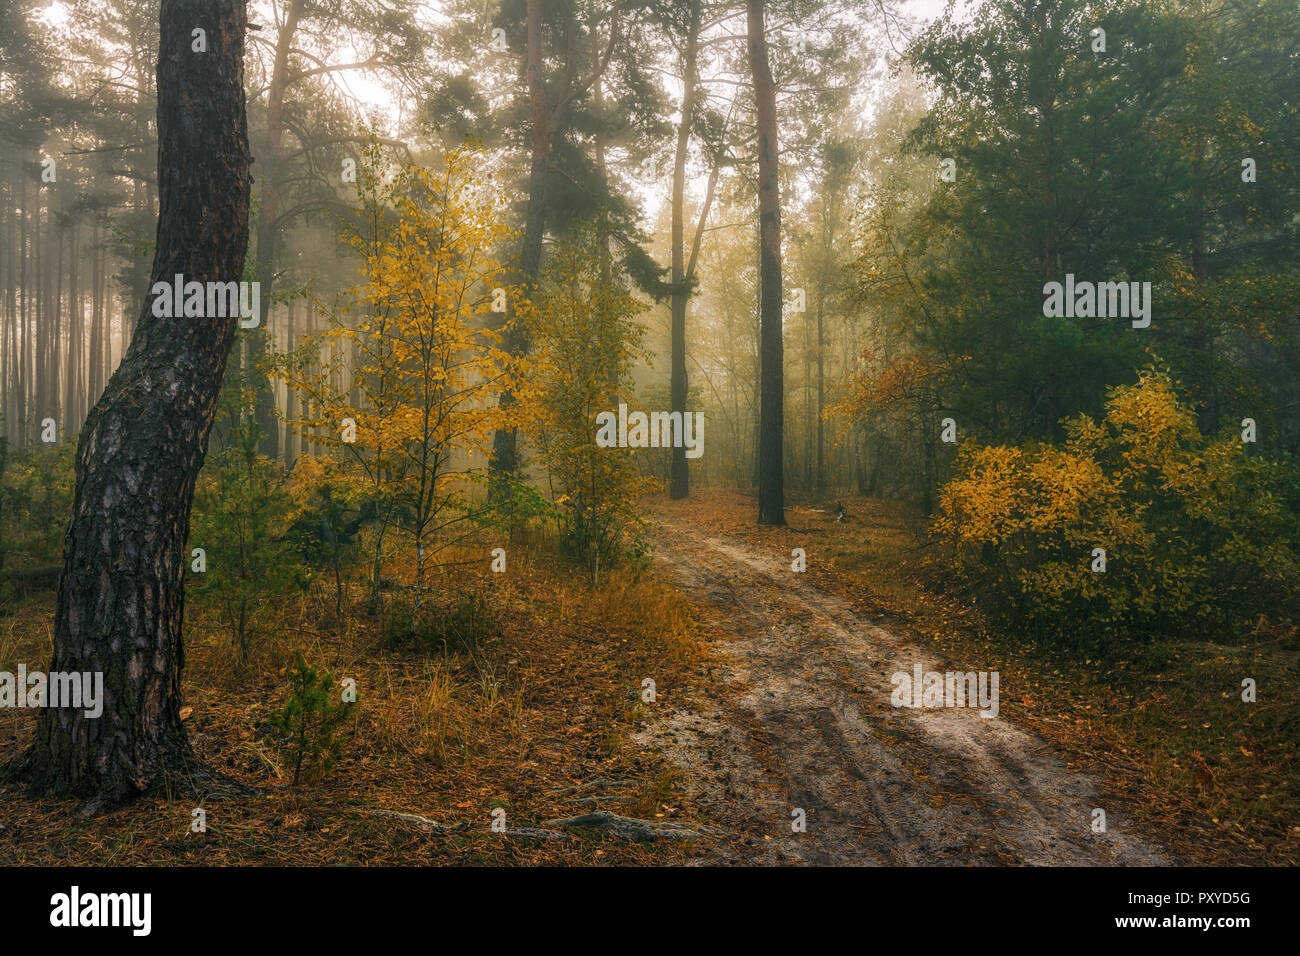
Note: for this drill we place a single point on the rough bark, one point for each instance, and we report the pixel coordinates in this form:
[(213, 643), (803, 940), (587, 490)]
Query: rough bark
[(771, 495), (121, 595)]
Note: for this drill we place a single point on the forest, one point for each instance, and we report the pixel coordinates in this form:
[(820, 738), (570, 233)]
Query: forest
[(649, 432)]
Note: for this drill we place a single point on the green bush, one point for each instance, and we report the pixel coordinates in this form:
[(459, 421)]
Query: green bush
[(462, 628), (586, 341), (306, 726), (325, 533), (36, 487), (240, 520)]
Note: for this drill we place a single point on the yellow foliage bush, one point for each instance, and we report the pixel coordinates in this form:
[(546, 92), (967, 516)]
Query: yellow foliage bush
[(1199, 537)]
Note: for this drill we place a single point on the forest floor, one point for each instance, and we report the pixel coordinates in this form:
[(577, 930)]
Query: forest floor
[(534, 722), (772, 694), (796, 715)]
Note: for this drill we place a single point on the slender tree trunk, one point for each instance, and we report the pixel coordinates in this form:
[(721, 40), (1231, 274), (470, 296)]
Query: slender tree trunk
[(679, 480), (7, 334), (121, 595), (268, 232), (821, 391), (6, 323), (107, 302), (291, 440), (825, 268), (14, 383), (808, 479), (602, 169), (505, 441), (24, 337), (80, 406), (71, 413), (40, 325), (31, 236), (98, 340), (771, 494)]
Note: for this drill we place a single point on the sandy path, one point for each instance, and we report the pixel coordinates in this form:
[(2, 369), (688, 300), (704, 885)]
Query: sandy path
[(797, 714)]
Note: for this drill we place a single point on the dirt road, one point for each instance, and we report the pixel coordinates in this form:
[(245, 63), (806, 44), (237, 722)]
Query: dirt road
[(797, 715)]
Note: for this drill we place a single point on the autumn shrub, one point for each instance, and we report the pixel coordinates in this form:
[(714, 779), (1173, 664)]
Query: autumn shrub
[(515, 505), (585, 343), (411, 359), (1199, 537)]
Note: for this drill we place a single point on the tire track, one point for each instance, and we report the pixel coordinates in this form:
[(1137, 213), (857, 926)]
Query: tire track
[(797, 715)]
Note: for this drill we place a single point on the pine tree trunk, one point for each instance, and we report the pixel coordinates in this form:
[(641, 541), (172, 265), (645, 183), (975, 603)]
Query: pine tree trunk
[(820, 483), (98, 340), (292, 441), (6, 324), (71, 412), (20, 350), (679, 482), (40, 408), (121, 595), (505, 441), (268, 232), (771, 494)]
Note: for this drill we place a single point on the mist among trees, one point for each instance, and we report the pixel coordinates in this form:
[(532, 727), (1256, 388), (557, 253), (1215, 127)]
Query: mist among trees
[(310, 312)]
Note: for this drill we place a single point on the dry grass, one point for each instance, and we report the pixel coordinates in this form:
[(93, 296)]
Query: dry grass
[(545, 703)]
